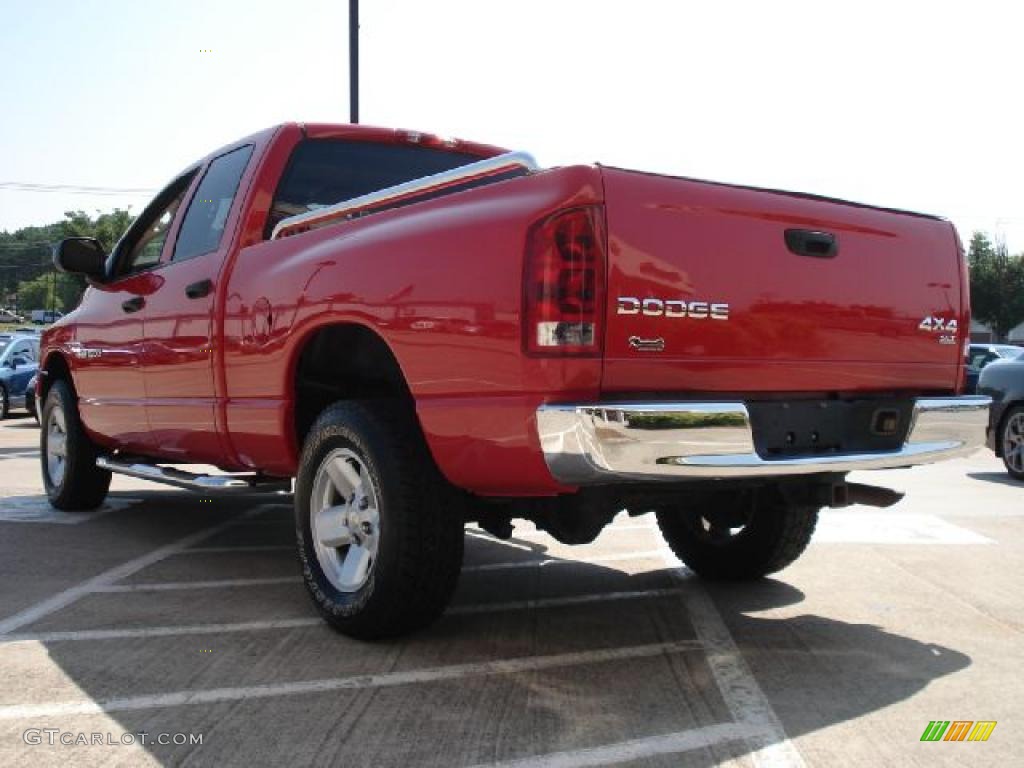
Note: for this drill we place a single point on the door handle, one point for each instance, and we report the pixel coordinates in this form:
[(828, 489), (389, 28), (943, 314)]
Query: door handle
[(133, 304), (199, 289), (809, 242)]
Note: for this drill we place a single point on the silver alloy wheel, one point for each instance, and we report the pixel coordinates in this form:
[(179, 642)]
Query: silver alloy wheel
[(1013, 442), (345, 520), (56, 445)]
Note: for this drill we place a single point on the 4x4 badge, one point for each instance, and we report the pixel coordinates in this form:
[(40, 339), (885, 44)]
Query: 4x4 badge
[(938, 325)]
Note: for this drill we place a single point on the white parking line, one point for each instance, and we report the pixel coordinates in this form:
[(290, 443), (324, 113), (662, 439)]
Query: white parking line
[(75, 635), (167, 586), (170, 586), (68, 596), (559, 602), (631, 527), (172, 631), (635, 749), (228, 550), (547, 562), (888, 528), (36, 509), (387, 679), (769, 745), (482, 536)]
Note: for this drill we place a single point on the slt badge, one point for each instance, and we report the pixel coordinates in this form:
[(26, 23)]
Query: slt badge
[(947, 328)]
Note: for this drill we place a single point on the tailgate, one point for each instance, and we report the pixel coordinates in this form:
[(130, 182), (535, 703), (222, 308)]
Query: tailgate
[(708, 293)]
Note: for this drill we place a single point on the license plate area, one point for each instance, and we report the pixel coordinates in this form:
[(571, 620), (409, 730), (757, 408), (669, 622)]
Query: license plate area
[(794, 428)]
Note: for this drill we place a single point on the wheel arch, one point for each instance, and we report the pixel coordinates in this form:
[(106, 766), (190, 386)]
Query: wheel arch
[(341, 361), (54, 368), (1007, 410)]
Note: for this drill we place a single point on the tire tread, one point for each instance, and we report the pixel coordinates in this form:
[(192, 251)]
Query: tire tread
[(85, 485), (778, 534), (429, 518)]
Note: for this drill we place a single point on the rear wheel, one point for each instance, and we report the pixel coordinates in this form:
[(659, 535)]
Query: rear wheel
[(70, 475), (5, 402), (1012, 442), (739, 536), (380, 532)]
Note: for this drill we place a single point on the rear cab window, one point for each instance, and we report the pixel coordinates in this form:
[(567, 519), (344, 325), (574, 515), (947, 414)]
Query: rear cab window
[(324, 172)]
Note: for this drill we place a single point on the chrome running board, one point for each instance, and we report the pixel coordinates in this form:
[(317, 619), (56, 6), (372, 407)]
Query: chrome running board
[(193, 482)]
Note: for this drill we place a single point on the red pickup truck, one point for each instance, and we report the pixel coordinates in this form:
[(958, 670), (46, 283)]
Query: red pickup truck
[(426, 332)]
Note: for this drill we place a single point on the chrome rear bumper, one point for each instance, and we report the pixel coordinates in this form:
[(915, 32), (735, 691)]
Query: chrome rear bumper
[(586, 444)]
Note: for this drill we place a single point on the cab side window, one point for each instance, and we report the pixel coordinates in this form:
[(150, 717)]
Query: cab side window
[(202, 229), (147, 251), (142, 244)]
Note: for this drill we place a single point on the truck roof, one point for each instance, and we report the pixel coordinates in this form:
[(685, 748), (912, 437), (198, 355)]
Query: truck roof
[(361, 132)]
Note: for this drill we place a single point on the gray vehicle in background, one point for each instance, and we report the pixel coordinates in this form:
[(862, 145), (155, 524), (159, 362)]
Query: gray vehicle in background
[(1003, 381), (980, 355), (30, 397), (19, 355)]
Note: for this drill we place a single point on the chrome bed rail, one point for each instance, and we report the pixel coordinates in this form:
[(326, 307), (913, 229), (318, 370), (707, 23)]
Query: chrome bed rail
[(490, 166)]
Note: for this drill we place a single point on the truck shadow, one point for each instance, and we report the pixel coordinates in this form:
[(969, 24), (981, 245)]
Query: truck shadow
[(1001, 478), (815, 670)]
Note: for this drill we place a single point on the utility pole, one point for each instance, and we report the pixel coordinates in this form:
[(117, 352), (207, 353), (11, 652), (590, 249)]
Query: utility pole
[(353, 60)]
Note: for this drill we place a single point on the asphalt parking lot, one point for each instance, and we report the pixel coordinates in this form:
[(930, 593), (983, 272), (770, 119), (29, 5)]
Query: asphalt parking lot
[(170, 614)]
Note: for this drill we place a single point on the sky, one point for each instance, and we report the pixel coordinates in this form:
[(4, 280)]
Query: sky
[(905, 104)]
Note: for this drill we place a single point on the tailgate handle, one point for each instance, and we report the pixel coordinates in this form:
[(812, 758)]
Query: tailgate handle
[(809, 242)]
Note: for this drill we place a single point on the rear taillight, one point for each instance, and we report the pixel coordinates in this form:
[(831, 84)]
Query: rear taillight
[(563, 284)]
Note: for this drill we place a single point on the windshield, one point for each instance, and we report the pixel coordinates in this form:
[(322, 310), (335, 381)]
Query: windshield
[(4, 343)]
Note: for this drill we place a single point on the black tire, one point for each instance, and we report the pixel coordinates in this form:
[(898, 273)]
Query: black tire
[(81, 485), (5, 403), (418, 528), (739, 536), (1011, 435)]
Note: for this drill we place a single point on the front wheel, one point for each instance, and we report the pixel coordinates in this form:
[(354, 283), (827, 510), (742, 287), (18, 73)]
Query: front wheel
[(738, 536), (1012, 442), (70, 475), (5, 403), (380, 533)]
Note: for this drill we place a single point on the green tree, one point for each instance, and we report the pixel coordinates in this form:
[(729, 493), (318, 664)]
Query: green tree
[(997, 285), (26, 255), (106, 227), (39, 293)]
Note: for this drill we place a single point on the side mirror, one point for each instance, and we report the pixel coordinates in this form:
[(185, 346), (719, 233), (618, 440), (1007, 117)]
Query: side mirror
[(81, 256)]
